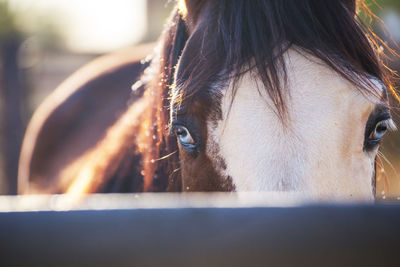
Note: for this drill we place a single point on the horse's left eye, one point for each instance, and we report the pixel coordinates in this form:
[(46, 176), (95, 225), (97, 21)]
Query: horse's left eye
[(377, 132), (184, 136)]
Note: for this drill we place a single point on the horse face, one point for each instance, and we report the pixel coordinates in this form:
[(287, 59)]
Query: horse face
[(326, 149)]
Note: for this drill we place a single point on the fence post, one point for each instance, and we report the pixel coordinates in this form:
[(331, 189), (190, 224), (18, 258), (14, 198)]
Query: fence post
[(11, 113)]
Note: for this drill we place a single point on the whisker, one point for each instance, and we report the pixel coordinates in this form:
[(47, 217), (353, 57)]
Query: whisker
[(382, 172), (176, 170), (381, 155), (164, 157)]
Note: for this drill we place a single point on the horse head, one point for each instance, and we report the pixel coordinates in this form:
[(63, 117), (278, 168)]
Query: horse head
[(277, 96)]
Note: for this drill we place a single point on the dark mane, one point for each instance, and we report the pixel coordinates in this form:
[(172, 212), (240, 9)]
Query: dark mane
[(232, 37), (240, 36)]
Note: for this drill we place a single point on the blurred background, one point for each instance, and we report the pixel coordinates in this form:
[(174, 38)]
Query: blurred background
[(42, 42)]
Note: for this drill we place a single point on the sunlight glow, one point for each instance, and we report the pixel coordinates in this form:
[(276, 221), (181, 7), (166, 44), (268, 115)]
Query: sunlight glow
[(89, 25)]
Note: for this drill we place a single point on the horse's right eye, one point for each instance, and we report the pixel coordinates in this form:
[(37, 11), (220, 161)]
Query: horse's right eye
[(184, 136)]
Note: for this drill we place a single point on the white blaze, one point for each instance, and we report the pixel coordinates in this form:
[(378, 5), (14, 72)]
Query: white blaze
[(320, 154)]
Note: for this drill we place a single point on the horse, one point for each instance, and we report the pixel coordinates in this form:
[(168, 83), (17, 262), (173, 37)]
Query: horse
[(76, 115), (261, 95)]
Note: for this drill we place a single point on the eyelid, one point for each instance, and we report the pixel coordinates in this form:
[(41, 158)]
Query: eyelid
[(175, 123), (380, 113), (382, 116)]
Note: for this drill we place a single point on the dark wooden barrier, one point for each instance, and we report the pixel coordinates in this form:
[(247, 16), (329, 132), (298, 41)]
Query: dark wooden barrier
[(195, 230), (11, 111)]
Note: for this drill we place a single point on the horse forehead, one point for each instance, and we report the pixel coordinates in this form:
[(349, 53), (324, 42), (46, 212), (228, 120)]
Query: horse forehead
[(325, 112), (313, 90)]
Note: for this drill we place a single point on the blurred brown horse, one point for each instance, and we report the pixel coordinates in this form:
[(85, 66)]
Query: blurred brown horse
[(239, 96), (76, 116)]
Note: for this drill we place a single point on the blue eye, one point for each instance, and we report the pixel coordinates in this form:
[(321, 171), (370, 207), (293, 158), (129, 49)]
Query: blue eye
[(184, 136), (379, 131)]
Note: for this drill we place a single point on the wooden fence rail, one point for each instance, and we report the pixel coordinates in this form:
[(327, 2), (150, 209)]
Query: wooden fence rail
[(195, 230)]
